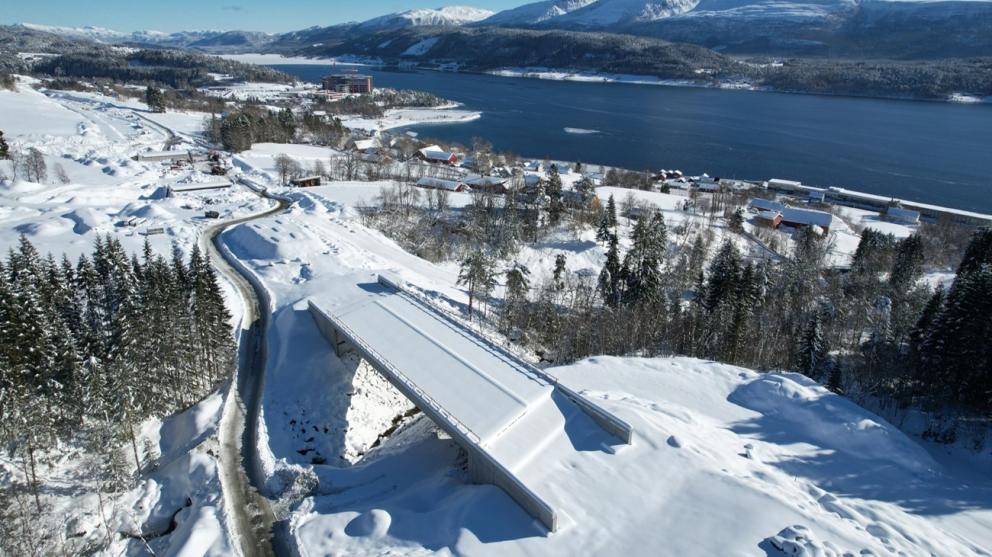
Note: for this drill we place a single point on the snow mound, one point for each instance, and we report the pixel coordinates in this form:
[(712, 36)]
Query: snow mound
[(43, 229), (797, 408), (799, 541), (250, 241), (85, 219), (147, 211), (372, 524)]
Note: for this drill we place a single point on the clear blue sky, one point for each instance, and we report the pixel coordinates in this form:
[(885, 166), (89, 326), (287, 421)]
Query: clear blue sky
[(179, 15)]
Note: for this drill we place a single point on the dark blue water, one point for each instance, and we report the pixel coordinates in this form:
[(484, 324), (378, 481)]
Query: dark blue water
[(931, 152)]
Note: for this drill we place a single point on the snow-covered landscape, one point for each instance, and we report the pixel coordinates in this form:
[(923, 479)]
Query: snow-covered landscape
[(243, 314), (725, 460)]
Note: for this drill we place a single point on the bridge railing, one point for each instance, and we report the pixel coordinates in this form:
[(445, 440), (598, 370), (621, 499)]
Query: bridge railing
[(600, 415)]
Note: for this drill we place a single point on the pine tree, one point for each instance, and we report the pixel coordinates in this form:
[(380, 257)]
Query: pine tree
[(611, 214), (155, 99), (558, 275), (554, 191), (611, 277), (908, 266), (724, 276), (476, 274), (642, 264), (736, 222), (979, 252), (812, 348), (930, 312), (603, 233)]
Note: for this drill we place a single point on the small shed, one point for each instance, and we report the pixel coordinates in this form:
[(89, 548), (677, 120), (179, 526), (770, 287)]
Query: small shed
[(305, 182)]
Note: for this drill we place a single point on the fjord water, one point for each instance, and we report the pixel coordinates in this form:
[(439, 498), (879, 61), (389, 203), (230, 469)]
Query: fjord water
[(931, 152)]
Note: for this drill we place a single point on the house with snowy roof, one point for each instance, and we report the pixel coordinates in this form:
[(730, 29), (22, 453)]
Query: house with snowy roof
[(803, 218), (435, 155), (439, 184), (902, 216), (757, 205)]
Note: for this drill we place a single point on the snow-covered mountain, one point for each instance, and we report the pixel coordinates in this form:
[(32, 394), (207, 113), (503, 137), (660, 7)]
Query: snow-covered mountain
[(110, 36), (538, 12), (612, 12), (447, 16)]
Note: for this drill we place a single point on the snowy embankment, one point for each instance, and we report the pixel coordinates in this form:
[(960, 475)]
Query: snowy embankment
[(279, 59), (552, 74), (402, 117), (725, 461)]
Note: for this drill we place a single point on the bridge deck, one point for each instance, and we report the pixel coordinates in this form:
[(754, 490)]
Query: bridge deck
[(500, 408), (485, 389)]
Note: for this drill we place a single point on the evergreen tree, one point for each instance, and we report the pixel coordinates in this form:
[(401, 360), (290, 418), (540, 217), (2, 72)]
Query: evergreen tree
[(930, 312), (642, 264), (476, 274), (603, 233), (611, 214), (724, 277), (812, 349), (554, 191), (611, 277), (155, 99), (979, 251), (908, 266), (736, 222), (558, 275)]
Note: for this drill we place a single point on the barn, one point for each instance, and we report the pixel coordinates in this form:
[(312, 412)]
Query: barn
[(436, 155)]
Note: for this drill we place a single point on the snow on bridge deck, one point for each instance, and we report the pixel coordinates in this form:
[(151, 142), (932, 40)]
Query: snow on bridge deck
[(500, 408)]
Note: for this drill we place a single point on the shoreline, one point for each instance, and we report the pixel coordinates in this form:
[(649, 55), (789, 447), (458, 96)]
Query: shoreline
[(581, 76), (469, 116)]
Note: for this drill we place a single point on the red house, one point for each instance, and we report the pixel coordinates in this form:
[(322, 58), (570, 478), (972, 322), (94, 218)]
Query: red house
[(437, 156)]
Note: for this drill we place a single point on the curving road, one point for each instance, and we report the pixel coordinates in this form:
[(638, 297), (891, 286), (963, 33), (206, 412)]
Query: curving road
[(249, 511)]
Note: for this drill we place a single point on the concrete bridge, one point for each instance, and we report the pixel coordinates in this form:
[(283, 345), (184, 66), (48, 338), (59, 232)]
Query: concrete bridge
[(499, 408)]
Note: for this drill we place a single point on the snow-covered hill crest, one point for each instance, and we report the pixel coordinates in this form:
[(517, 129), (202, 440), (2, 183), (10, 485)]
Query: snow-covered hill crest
[(448, 16), (611, 12), (538, 12)]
